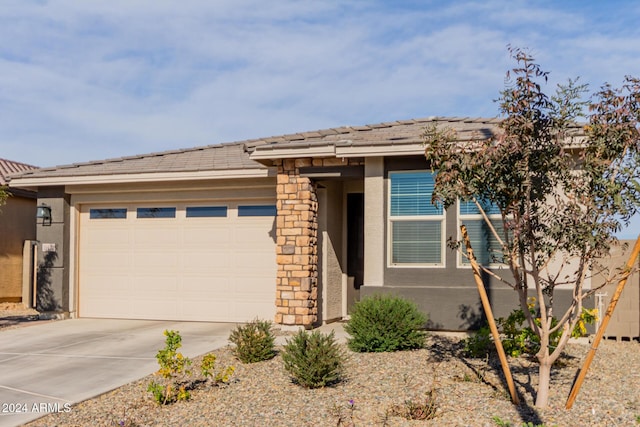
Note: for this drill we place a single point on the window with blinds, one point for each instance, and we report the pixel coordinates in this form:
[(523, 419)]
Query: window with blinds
[(486, 247), (416, 226)]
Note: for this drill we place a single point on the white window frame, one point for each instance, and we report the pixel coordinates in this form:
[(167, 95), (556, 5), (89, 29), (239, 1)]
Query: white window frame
[(474, 217), (432, 218)]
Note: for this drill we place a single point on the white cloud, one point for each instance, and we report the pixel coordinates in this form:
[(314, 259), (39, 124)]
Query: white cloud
[(106, 79)]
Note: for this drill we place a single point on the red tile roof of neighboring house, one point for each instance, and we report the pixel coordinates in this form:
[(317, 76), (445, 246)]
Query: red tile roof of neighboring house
[(8, 167)]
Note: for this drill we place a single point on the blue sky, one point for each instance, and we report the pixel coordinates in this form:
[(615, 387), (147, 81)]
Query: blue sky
[(88, 80)]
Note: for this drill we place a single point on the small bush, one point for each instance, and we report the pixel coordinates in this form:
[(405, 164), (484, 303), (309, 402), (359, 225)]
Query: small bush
[(174, 369), (479, 344), (344, 414), (385, 323), (175, 380), (208, 370), (417, 409), (313, 359), (517, 337), (254, 342)]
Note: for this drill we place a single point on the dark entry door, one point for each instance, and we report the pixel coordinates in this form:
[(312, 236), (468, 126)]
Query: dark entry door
[(355, 241)]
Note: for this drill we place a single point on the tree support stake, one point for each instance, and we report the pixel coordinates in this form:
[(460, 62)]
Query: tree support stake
[(489, 313)]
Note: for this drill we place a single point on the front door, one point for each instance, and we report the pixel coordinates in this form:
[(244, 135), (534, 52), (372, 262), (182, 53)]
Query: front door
[(355, 246)]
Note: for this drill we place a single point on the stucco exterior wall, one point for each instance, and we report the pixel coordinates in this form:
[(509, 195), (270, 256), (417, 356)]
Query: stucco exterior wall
[(52, 282), (447, 293), (330, 201), (374, 218), (17, 224)]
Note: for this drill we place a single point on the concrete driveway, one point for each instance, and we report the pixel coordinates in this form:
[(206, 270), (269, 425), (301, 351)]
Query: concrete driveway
[(47, 367)]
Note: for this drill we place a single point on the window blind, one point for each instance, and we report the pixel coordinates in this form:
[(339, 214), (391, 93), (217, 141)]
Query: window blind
[(411, 194), (416, 242)]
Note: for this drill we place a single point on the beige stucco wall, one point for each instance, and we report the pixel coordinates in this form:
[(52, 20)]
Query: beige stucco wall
[(17, 224), (625, 321), (374, 197), (330, 202)]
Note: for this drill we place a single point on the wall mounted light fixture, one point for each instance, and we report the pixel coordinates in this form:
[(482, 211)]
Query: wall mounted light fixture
[(43, 212)]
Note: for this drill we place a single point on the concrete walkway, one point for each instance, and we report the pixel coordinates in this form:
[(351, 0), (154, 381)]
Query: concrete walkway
[(47, 367)]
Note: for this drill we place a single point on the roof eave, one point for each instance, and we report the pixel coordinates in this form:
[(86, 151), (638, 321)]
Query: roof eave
[(376, 150), (35, 182), (270, 152), (266, 154)]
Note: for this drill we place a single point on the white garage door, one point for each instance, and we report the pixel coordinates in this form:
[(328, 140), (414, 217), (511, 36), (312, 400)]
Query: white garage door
[(207, 262)]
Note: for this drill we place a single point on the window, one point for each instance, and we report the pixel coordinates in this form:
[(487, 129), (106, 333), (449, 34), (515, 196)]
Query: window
[(207, 212), (416, 225), (108, 213), (257, 210), (486, 247), (156, 212)]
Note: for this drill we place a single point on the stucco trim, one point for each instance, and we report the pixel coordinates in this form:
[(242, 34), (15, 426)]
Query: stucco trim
[(142, 177), (374, 195), (380, 150), (285, 152)]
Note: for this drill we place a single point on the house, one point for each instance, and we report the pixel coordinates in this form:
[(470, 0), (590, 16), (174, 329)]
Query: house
[(16, 228), (294, 228)]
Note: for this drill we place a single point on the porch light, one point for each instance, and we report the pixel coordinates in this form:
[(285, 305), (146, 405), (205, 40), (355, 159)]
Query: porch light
[(43, 212)]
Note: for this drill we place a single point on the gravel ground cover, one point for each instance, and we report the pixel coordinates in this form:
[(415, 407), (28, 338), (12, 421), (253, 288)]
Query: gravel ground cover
[(15, 314), (465, 392)]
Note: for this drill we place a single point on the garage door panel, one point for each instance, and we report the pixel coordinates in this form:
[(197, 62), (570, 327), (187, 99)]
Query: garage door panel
[(203, 287), (254, 288), (154, 308), (207, 237), (206, 262), (110, 307), (207, 269), (156, 235), (253, 262), (103, 261), (254, 307), (106, 285), (146, 286), (260, 233), (111, 237), (156, 261)]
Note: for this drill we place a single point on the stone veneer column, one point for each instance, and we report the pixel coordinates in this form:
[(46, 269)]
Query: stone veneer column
[(296, 245)]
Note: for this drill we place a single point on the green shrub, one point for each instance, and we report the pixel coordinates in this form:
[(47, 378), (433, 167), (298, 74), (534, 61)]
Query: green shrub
[(254, 342), (479, 344), (175, 382), (385, 323), (174, 369), (517, 337), (207, 368), (313, 359)]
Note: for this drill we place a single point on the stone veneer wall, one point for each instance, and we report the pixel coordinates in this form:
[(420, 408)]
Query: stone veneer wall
[(296, 245), (297, 241)]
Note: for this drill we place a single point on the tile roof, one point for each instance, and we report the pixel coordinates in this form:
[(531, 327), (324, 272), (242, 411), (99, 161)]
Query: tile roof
[(8, 167), (235, 155), (389, 133)]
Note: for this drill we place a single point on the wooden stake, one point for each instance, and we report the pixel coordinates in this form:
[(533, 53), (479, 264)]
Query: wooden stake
[(603, 326), (487, 311)]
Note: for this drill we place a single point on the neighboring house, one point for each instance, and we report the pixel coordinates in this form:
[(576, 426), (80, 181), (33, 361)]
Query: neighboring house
[(625, 321), (293, 228), (17, 225)]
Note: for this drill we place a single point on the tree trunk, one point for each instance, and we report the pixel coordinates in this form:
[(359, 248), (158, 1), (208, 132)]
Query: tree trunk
[(544, 381)]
